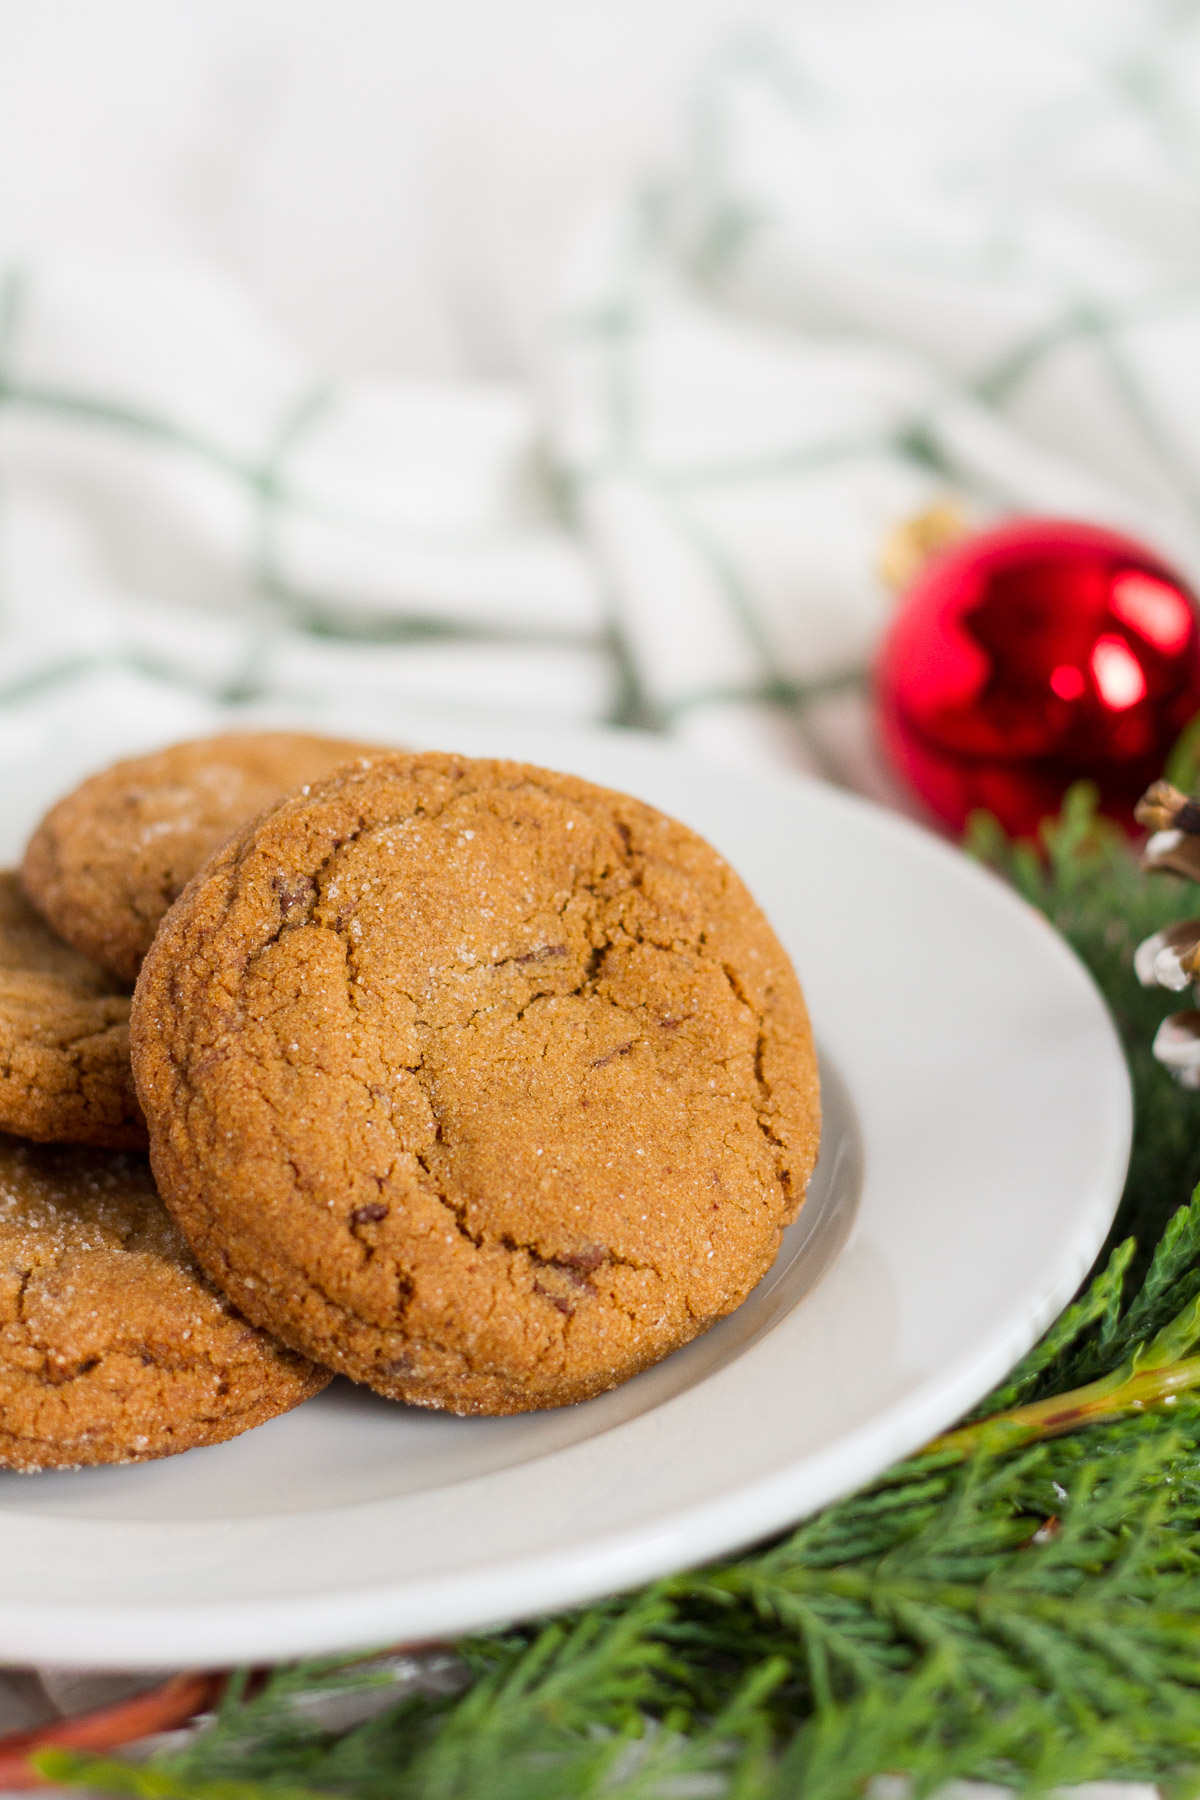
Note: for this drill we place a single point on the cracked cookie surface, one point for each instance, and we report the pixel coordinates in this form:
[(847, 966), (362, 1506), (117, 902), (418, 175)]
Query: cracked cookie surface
[(107, 861), (113, 1346), (482, 1084), (64, 1038)]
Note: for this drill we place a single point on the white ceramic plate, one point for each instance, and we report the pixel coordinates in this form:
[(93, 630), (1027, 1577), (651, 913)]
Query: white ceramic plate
[(977, 1128)]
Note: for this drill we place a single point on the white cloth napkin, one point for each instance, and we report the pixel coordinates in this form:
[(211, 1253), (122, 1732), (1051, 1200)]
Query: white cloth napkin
[(908, 251), (913, 249)]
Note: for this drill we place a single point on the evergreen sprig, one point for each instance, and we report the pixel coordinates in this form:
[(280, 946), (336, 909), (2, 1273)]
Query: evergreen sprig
[(1006, 1606)]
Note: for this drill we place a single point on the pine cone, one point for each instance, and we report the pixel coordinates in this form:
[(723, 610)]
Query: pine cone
[(1164, 808), (1174, 820), (1171, 958)]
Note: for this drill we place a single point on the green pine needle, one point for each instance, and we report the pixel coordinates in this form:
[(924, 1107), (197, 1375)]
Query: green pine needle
[(1007, 1605)]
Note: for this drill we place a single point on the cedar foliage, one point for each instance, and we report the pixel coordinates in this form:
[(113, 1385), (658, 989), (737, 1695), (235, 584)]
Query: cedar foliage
[(1029, 1617)]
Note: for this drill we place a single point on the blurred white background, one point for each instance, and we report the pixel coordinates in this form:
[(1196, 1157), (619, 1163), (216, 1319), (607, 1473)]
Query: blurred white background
[(388, 179)]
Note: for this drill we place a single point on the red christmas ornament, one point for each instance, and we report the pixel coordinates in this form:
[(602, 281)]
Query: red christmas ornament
[(1026, 657)]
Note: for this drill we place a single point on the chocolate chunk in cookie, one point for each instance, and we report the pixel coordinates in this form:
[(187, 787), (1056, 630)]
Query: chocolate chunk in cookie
[(107, 861), (64, 1038), (483, 1085), (113, 1346)]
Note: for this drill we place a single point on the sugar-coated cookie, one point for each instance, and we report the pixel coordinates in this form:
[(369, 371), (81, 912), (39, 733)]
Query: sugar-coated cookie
[(107, 861), (113, 1347), (481, 1084), (64, 1038)]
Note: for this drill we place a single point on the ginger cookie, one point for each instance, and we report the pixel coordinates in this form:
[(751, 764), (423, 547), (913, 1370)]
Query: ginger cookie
[(64, 1038), (113, 1346), (481, 1084), (107, 861)]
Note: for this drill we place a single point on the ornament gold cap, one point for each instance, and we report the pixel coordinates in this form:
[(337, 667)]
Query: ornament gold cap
[(912, 543)]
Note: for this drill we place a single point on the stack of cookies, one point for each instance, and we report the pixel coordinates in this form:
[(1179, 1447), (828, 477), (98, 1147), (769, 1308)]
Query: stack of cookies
[(473, 1082)]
